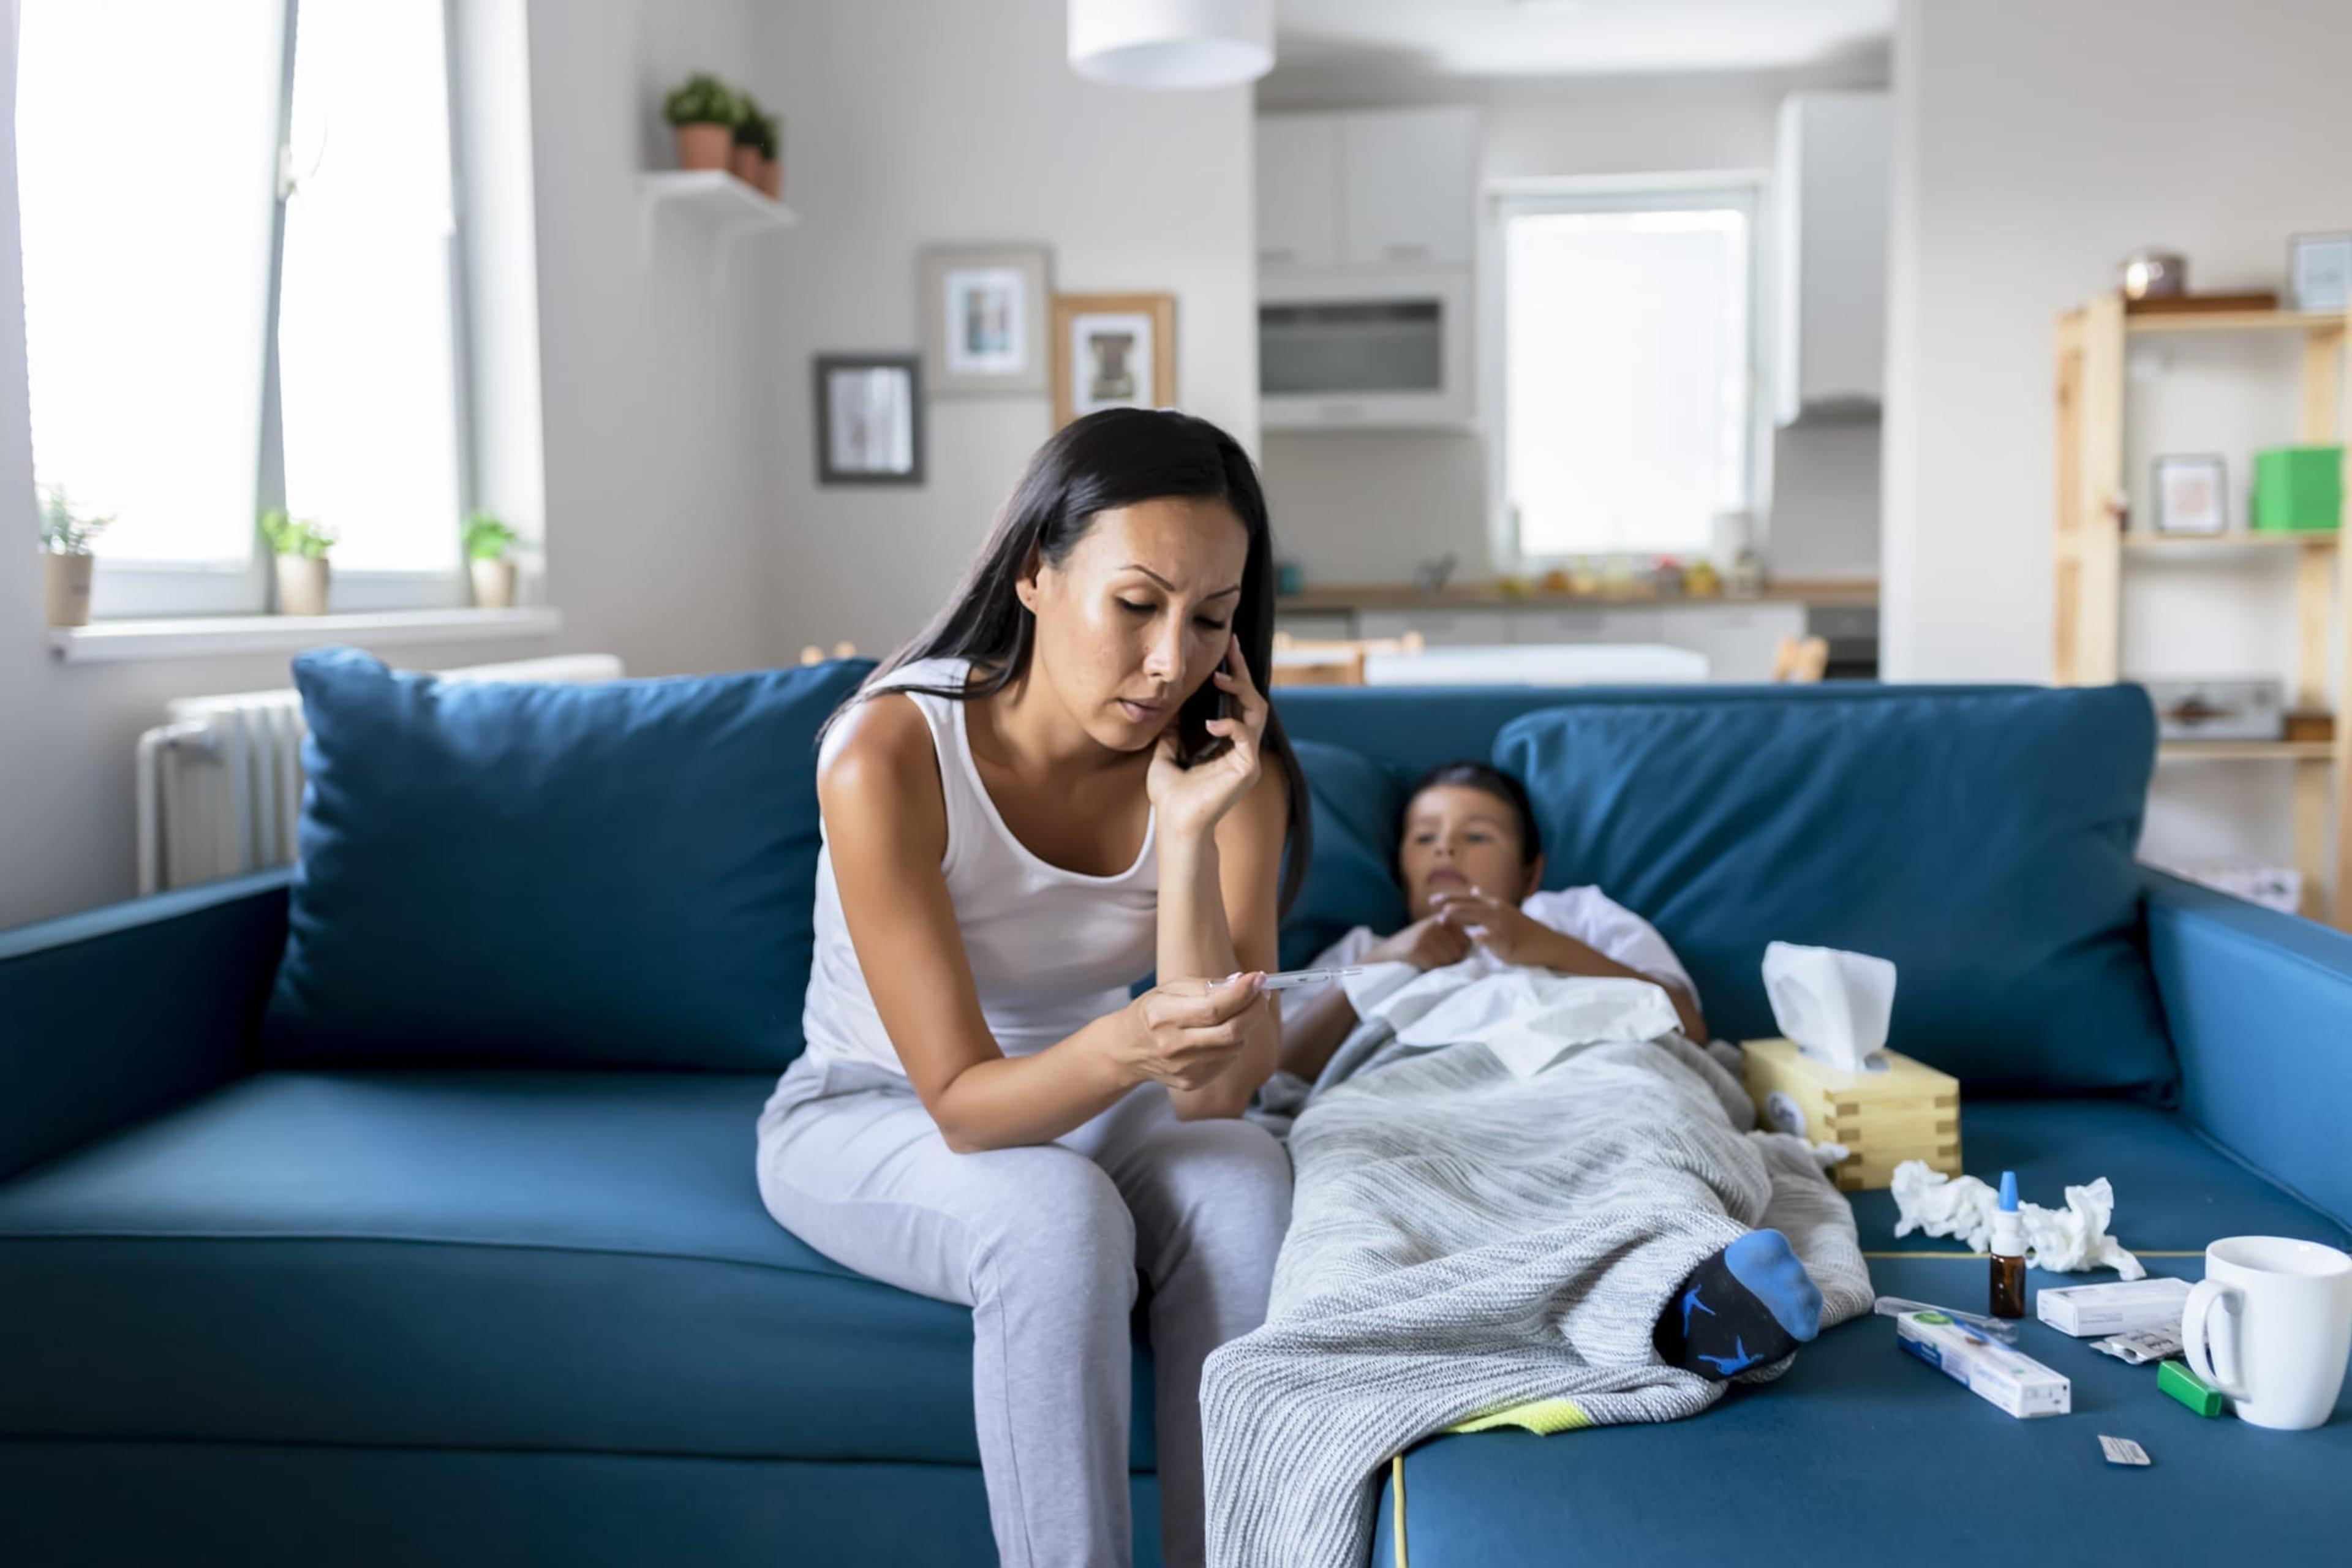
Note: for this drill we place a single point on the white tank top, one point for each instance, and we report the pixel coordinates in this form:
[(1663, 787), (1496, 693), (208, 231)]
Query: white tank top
[(1051, 950)]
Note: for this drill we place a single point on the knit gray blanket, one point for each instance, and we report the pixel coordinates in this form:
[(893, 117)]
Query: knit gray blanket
[(1464, 1241)]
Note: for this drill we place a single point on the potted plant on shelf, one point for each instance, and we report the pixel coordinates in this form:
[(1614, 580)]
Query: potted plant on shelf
[(66, 557), (300, 544), (488, 544), (755, 148), (705, 113)]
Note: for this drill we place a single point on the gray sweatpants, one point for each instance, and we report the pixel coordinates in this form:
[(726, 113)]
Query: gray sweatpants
[(1043, 1242)]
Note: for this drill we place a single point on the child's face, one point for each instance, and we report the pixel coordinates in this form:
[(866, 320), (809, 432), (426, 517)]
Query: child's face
[(1458, 839)]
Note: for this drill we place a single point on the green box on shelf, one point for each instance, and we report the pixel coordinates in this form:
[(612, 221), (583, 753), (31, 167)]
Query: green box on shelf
[(2298, 489)]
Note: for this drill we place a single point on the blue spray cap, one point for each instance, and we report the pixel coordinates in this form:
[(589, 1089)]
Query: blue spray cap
[(2009, 1192)]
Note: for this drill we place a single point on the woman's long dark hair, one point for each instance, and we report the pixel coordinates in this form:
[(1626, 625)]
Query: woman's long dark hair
[(1117, 457)]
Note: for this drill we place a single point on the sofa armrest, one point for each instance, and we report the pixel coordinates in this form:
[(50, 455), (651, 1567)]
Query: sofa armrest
[(2259, 1009), (113, 1015)]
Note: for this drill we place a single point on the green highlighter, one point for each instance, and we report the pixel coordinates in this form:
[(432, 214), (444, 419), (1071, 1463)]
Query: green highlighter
[(2176, 1379)]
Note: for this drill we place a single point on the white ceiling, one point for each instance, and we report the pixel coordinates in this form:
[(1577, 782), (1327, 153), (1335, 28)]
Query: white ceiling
[(1571, 37)]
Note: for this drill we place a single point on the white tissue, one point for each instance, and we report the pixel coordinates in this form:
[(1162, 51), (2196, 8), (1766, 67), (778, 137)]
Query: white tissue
[(1834, 1005), (1527, 1016), (2068, 1240)]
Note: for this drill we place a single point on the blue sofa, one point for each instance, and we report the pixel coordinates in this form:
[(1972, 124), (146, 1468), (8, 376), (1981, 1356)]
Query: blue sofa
[(430, 1235)]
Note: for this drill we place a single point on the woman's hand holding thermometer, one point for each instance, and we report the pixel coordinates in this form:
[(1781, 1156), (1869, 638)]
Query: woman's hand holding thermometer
[(1288, 979)]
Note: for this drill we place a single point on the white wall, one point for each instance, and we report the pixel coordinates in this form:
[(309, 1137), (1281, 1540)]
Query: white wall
[(911, 123), (1366, 506), (658, 406), (2037, 145)]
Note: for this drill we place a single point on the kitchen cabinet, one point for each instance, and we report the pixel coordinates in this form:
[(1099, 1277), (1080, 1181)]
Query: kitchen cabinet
[(1832, 180), (1297, 190)]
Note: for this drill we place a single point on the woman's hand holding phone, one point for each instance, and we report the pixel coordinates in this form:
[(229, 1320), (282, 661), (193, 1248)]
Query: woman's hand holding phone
[(1192, 800)]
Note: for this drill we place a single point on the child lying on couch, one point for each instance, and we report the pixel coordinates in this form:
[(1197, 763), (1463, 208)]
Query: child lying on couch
[(1471, 864), (1520, 1184)]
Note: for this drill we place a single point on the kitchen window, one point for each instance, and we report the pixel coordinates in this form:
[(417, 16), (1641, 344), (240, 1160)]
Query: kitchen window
[(1627, 367)]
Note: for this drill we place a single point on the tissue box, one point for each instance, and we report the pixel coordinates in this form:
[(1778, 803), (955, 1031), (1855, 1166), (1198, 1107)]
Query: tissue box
[(1910, 1112)]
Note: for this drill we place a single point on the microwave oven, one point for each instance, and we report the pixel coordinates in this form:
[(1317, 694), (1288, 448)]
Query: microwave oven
[(1388, 350)]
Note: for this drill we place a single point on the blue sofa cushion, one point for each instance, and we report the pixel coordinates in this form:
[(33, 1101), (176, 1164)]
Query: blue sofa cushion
[(441, 1258), (1982, 842), (618, 875), (1849, 1445), (1351, 876)]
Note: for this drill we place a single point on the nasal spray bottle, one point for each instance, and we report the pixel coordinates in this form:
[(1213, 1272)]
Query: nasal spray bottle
[(2008, 1252)]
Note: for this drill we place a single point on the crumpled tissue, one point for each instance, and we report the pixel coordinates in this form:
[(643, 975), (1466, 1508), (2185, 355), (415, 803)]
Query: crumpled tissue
[(1526, 1016), (1834, 1004), (2067, 1241)]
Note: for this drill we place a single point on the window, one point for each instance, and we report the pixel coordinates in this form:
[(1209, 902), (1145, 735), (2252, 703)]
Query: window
[(257, 304), (1627, 368)]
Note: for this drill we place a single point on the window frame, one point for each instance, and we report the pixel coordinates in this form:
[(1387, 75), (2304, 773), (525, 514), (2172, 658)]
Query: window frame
[(1746, 190), (138, 590)]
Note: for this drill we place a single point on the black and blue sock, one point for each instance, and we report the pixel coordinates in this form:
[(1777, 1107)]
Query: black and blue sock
[(1748, 1305)]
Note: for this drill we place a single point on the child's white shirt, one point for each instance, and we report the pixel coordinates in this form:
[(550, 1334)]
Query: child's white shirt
[(1588, 914)]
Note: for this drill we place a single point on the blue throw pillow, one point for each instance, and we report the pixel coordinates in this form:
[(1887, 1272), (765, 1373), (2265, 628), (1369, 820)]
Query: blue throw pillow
[(1984, 843), (618, 875), (1357, 804)]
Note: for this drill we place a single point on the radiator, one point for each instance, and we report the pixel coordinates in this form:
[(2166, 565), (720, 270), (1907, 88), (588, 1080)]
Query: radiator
[(220, 782)]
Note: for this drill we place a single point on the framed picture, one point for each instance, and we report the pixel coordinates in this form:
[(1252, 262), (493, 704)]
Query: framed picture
[(1113, 351), (2192, 496), (983, 315), (2319, 271), (869, 420)]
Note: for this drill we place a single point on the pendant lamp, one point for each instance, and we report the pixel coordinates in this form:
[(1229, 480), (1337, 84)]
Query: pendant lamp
[(1171, 43)]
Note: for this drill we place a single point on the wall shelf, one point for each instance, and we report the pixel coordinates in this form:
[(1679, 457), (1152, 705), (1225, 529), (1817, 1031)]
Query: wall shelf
[(2250, 751), (2138, 540), (2089, 551), (731, 209), (2318, 322)]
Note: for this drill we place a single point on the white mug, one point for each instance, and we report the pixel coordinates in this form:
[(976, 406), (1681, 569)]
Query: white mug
[(2289, 1309)]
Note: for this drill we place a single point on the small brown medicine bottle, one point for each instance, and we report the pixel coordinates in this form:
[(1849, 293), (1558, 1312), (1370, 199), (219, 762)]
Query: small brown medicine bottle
[(2008, 1250)]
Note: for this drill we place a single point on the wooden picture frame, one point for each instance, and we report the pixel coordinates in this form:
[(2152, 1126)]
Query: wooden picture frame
[(984, 310), (1112, 350), (869, 418)]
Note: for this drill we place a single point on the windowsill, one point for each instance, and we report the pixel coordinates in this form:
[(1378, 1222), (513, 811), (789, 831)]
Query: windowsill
[(103, 642)]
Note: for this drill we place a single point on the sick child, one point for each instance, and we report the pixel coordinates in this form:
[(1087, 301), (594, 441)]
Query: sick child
[(1471, 865), (1470, 862)]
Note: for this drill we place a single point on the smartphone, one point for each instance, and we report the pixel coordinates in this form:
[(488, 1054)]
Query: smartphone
[(1194, 743)]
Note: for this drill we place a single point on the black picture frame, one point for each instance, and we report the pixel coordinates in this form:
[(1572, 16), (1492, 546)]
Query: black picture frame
[(885, 461)]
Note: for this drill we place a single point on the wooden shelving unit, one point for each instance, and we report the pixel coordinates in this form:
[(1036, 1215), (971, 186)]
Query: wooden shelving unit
[(2093, 545)]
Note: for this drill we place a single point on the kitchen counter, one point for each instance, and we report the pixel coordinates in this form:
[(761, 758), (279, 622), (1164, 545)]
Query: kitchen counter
[(1341, 597)]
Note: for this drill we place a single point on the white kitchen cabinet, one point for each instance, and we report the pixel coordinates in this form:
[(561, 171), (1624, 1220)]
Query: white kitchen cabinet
[(1315, 626), (1440, 629), (1409, 178), (1833, 176), (1590, 623), (1739, 640), (1299, 190)]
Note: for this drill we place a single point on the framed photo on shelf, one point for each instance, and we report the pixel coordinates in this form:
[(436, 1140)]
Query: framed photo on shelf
[(983, 315), (2192, 496), (1113, 351), (2319, 271), (869, 420)]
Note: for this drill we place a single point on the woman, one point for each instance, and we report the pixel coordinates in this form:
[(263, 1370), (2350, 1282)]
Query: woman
[(1013, 836)]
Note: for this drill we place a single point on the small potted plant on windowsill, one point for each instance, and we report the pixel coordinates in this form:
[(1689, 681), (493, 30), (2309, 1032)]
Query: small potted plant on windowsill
[(300, 544), (755, 148), (66, 560), (488, 545), (705, 113)]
